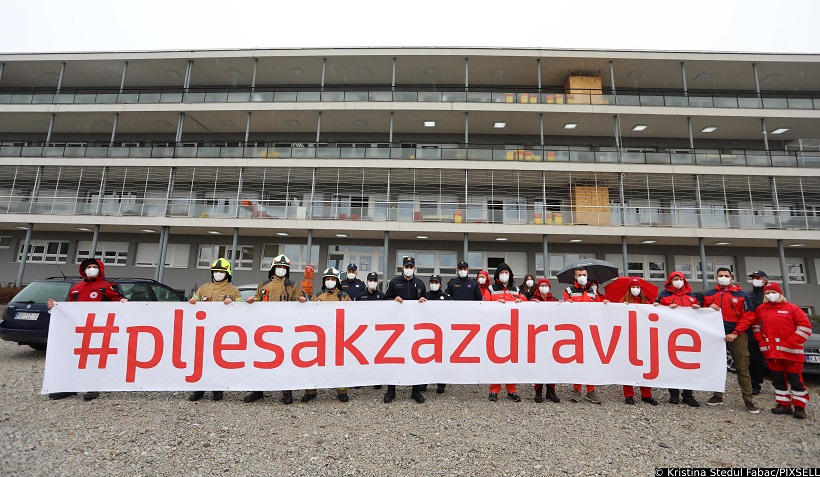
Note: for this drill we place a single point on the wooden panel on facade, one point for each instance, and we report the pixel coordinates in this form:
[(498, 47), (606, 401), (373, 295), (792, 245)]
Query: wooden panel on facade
[(590, 205)]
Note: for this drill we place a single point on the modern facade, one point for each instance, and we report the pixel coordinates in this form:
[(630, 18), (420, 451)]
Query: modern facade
[(161, 162)]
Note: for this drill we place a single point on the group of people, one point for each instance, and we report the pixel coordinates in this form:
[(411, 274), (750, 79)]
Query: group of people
[(778, 328)]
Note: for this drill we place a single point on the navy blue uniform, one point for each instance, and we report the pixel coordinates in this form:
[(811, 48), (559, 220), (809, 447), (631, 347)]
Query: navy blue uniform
[(353, 288), (412, 289), (437, 295), (368, 296), (464, 289)]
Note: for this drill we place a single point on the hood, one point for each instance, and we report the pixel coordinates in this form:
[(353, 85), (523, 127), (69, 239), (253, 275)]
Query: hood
[(504, 266), (687, 288), (486, 275), (88, 261)]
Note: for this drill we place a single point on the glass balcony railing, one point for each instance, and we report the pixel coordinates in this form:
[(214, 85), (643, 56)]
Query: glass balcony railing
[(427, 152), (404, 211), (699, 99)]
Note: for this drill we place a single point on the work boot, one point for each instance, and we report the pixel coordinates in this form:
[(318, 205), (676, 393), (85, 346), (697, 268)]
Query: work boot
[(308, 397), (691, 401), (218, 395), (90, 396), (423, 387), (799, 412), (440, 388), (513, 397), (629, 400), (389, 397), (592, 397), (56, 396), (781, 409), (750, 406), (538, 395), (575, 396), (674, 400), (551, 394), (417, 396), (650, 400), (377, 386), (342, 397), (493, 397), (196, 395), (714, 401), (254, 396), (287, 397), (755, 390)]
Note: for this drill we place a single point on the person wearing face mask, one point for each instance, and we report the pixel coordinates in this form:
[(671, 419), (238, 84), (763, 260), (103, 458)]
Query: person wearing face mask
[(352, 285), (543, 294), (781, 328), (503, 290), (93, 287), (220, 289), (756, 360), (372, 292), (278, 287), (736, 309), (634, 295), (436, 293), (483, 280), (583, 290), (677, 292), (528, 287), (331, 291), (406, 287), (462, 287)]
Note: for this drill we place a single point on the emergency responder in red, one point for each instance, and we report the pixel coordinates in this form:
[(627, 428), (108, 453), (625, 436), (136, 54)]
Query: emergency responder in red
[(219, 289), (677, 292), (583, 290), (543, 293), (93, 287), (634, 296), (503, 290), (278, 287), (736, 308), (483, 279), (781, 328)]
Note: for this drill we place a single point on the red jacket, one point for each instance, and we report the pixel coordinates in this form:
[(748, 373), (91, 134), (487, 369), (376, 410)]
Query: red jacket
[(485, 289), (735, 306), (781, 329), (577, 293), (93, 289), (682, 297), (537, 296)]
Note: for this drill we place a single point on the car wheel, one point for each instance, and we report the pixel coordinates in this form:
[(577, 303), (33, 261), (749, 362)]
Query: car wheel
[(730, 362), (38, 346)]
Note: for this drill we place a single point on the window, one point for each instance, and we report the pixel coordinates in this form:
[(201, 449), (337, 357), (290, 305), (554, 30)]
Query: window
[(109, 253), (209, 253), (176, 256), (45, 251), (5, 241), (165, 294), (296, 253), (771, 265), (367, 258), (686, 264), (649, 267), (429, 262), (558, 262)]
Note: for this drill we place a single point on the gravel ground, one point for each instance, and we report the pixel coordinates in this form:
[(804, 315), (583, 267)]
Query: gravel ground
[(457, 433)]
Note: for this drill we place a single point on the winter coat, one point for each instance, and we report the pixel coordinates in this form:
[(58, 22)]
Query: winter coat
[(217, 291), (93, 289), (354, 287), (464, 289), (505, 291), (682, 297), (437, 295), (781, 328), (278, 289), (537, 296), (331, 295), (368, 296), (735, 305), (578, 293), (412, 289), (484, 289)]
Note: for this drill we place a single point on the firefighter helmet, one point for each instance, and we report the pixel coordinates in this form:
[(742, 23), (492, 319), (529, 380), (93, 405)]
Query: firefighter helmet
[(222, 265), (331, 272), (281, 260)]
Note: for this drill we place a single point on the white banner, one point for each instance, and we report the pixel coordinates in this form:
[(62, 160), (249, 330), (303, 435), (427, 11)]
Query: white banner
[(276, 346)]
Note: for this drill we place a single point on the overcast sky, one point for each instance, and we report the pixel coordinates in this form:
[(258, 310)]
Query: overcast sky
[(784, 26)]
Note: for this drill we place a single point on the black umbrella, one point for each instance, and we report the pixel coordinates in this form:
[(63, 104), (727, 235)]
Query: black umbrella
[(599, 270)]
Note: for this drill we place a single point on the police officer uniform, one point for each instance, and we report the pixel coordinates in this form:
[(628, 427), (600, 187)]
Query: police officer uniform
[(368, 294), (354, 287), (464, 289), (438, 294)]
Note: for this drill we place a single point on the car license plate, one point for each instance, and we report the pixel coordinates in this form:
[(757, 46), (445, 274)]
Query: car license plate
[(813, 358), (27, 315)]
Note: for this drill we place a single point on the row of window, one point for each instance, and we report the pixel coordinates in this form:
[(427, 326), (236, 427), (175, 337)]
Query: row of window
[(369, 258)]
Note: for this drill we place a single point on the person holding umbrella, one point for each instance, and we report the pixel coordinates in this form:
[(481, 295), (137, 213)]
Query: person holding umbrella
[(636, 294)]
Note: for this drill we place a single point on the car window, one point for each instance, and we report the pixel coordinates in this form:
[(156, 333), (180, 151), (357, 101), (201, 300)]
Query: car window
[(164, 293), (40, 292), (135, 291)]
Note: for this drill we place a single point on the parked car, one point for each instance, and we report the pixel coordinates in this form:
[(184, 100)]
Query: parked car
[(27, 315), (812, 351), (247, 290)]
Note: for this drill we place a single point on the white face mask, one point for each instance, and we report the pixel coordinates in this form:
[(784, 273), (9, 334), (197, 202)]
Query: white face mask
[(757, 283), (408, 272), (435, 286), (724, 281), (372, 285), (582, 280), (330, 284), (280, 272), (482, 281), (463, 273), (773, 296), (678, 284), (92, 272), (530, 283), (503, 277), (351, 276), (636, 291), (219, 276), (544, 290)]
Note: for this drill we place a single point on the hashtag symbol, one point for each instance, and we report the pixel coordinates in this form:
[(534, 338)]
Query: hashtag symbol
[(90, 330)]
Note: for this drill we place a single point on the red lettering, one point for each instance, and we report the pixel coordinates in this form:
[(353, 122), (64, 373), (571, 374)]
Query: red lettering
[(613, 343), (674, 348), (577, 342), (131, 362), (219, 346), (176, 354), (278, 352), (199, 340), (343, 344), (437, 342), (512, 328), (319, 344), (633, 339), (532, 332), (381, 356), (472, 330), (654, 365)]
